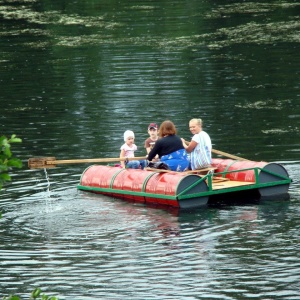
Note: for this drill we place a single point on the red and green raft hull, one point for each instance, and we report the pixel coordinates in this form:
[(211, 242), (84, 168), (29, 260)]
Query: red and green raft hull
[(186, 190)]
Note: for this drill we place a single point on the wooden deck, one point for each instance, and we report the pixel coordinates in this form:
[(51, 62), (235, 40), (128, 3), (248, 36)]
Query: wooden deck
[(217, 185)]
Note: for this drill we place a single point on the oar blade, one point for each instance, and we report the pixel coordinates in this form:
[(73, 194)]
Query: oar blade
[(41, 162)]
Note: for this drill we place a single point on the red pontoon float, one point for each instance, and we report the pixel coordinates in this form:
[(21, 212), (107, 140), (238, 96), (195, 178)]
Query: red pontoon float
[(186, 189)]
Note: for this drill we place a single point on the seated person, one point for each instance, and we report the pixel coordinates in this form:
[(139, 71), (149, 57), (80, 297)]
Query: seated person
[(127, 150), (169, 148), (153, 137), (199, 147)]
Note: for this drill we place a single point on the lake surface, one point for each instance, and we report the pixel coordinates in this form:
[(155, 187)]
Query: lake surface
[(75, 75)]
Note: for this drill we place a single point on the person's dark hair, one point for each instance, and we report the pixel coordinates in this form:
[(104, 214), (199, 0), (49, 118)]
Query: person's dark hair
[(167, 128)]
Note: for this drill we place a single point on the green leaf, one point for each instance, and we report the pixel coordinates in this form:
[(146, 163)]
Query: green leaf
[(7, 151), (5, 177), (15, 140), (3, 141), (12, 297), (35, 293), (15, 162), (3, 167)]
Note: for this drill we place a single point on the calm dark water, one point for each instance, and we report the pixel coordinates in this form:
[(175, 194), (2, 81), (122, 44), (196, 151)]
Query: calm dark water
[(75, 75)]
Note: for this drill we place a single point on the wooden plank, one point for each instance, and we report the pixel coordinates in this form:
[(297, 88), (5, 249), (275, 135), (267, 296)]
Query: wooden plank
[(220, 179), (161, 171), (229, 184), (200, 171)]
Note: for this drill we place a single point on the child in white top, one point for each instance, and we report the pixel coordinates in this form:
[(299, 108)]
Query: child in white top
[(127, 150)]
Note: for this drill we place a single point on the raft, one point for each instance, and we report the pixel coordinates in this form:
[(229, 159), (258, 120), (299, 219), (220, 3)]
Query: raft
[(190, 189)]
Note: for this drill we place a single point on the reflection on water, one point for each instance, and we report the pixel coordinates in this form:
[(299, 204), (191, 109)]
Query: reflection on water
[(75, 74)]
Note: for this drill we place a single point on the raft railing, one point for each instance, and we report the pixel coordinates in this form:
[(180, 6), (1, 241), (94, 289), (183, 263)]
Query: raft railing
[(252, 185)]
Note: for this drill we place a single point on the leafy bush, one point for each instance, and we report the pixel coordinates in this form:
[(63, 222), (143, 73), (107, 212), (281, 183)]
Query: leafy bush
[(7, 161)]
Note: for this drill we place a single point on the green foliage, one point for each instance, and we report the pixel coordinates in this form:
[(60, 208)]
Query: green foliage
[(7, 161), (35, 294)]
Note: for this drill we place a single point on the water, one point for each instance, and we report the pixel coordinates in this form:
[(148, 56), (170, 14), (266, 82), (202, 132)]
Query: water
[(74, 76)]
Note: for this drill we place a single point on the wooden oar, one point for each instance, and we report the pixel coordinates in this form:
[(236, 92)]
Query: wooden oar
[(227, 154), (51, 162)]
